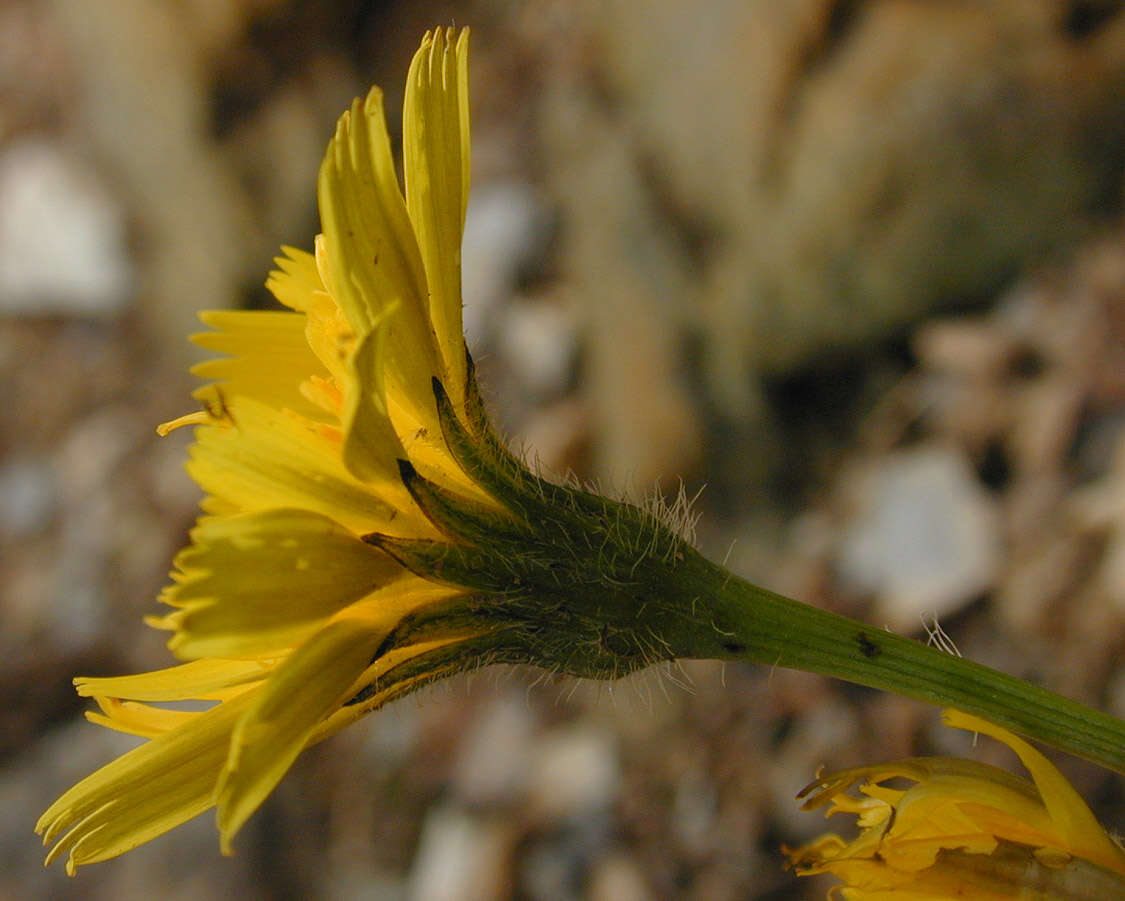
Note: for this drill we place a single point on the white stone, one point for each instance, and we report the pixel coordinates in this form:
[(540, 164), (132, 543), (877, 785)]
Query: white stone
[(492, 760), (925, 537), (539, 340), (459, 858), (505, 224), (27, 497), (62, 236), (618, 878), (574, 773)]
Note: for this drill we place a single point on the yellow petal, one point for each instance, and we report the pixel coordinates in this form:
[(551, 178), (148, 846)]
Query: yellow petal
[(331, 339), (371, 251), (138, 719), (943, 824), (269, 357), (435, 140), (199, 679), (1083, 835), (307, 688), (371, 442), (370, 264), (144, 793), (389, 690), (263, 582), (275, 459), (295, 280)]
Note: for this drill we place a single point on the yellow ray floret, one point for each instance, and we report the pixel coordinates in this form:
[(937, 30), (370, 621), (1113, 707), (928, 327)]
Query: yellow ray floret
[(262, 583), (143, 720), (210, 679), (272, 458), (436, 161), (293, 625), (144, 793), (267, 738), (263, 350)]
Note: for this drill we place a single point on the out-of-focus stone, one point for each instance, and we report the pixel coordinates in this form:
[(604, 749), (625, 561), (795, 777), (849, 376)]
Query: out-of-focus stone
[(1045, 570), (695, 807), (573, 774), (62, 236), (27, 497), (539, 341), (506, 225), (924, 536), (459, 858), (1098, 508), (492, 763), (618, 878)]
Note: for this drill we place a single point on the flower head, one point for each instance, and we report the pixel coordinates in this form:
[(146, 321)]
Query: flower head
[(962, 830), (364, 531)]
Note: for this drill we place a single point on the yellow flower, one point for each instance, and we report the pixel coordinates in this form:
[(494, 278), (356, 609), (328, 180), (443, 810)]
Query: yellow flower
[(364, 531), (285, 616), (963, 830)]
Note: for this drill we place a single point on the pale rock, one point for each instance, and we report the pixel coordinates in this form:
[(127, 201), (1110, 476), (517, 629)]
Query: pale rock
[(924, 537), (505, 225), (574, 773), (618, 878), (695, 807), (62, 236), (539, 340), (459, 858), (492, 761), (27, 497)]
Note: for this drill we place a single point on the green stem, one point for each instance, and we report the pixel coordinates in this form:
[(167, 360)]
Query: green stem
[(756, 625)]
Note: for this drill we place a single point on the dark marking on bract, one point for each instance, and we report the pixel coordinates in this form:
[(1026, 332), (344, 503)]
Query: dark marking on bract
[(867, 647)]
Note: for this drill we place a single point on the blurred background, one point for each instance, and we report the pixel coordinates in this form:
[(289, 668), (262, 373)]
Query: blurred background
[(851, 271)]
